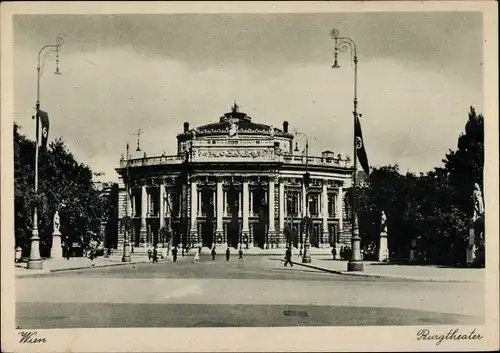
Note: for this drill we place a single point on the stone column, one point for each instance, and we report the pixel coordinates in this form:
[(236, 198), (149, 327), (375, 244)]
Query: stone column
[(193, 233), (271, 230), (282, 207), (251, 203), (220, 199), (130, 204), (224, 203), (304, 201), (240, 206), (144, 207), (324, 198), (162, 205), (339, 211), (339, 208), (245, 230)]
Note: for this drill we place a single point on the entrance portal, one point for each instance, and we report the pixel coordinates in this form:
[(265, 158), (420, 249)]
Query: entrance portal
[(233, 228), (207, 208)]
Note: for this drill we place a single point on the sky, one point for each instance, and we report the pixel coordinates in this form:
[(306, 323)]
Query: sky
[(418, 74)]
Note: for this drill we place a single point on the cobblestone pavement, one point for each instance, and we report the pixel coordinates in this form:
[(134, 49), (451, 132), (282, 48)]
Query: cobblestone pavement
[(255, 291)]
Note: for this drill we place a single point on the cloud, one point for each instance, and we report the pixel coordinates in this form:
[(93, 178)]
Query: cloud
[(413, 110)]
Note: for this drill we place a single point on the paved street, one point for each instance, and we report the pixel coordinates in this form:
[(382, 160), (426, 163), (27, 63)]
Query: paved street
[(255, 291)]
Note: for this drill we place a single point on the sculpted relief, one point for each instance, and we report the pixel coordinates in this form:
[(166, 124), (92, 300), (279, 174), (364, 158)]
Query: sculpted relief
[(233, 153)]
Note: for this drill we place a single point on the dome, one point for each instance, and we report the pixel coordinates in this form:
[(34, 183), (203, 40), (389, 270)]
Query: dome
[(238, 122)]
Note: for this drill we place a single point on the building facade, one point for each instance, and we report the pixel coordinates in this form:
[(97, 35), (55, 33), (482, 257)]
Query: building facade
[(236, 183)]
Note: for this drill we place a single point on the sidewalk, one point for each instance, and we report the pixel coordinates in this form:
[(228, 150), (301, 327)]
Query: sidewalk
[(387, 270), (77, 263)]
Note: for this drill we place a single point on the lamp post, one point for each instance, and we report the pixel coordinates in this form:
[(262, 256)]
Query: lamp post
[(126, 243), (306, 258), (343, 44), (35, 261)]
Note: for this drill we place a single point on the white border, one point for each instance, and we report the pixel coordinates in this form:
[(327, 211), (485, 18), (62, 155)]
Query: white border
[(251, 339)]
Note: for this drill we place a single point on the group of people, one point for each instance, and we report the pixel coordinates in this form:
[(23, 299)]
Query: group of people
[(153, 254)]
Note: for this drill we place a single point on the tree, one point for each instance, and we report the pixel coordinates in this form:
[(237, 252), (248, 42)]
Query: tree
[(432, 209), (64, 185)]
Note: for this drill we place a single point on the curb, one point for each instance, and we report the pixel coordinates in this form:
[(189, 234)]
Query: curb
[(44, 272), (377, 275)]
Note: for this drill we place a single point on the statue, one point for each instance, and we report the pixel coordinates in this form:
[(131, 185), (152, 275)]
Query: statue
[(233, 129), (57, 223), (56, 250), (193, 132), (478, 202), (383, 222), (476, 226), (271, 131), (383, 249)]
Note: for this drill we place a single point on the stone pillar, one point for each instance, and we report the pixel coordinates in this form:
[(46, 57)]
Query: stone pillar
[(271, 206), (224, 203), (282, 207), (130, 204), (304, 201), (162, 205), (251, 203), (219, 233), (144, 207), (471, 246), (383, 249), (339, 208), (245, 230), (193, 233), (324, 208)]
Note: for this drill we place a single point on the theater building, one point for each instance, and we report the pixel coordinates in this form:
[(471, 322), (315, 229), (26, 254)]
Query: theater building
[(236, 183)]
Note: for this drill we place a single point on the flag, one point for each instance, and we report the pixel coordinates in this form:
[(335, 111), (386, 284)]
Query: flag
[(44, 119), (360, 147)]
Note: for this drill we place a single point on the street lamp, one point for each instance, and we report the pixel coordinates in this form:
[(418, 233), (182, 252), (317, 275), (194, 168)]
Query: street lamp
[(126, 243), (306, 258), (35, 261), (343, 44)]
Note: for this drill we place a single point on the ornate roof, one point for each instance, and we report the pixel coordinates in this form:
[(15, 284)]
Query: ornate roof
[(240, 122)]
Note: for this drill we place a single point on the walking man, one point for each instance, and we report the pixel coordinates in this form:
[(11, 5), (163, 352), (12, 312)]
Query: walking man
[(155, 255), (240, 254), (288, 257), (228, 254), (213, 253), (174, 254)]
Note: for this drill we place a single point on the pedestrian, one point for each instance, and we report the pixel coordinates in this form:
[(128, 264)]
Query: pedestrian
[(68, 252), (240, 254), (196, 256), (334, 252), (228, 254), (288, 257), (92, 257), (155, 255), (213, 253), (174, 254), (150, 254)]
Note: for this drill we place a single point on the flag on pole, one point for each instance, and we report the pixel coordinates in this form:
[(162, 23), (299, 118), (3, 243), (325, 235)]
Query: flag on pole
[(360, 147), (44, 119)]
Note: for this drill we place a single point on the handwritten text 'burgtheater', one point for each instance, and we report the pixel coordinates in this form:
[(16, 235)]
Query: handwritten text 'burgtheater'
[(453, 335)]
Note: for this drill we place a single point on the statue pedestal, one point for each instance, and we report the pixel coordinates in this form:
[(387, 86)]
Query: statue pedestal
[(337, 251), (471, 248), (383, 250), (56, 250)]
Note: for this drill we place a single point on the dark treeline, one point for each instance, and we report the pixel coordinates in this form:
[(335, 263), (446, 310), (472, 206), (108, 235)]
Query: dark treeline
[(433, 209), (63, 183)]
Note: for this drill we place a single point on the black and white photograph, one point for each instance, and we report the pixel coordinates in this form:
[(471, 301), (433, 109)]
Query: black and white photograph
[(209, 179)]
